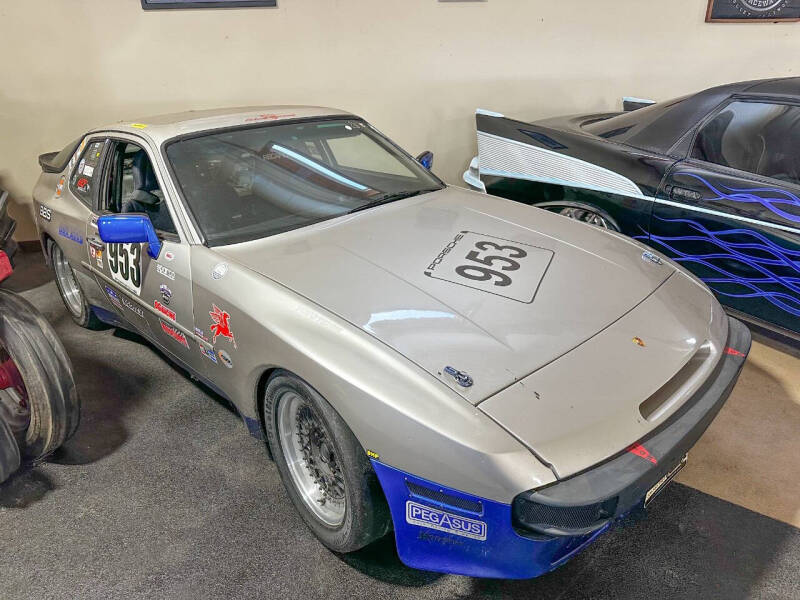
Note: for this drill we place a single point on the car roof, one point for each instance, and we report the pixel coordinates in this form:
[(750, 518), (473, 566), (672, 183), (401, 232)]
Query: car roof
[(160, 128), (786, 86), (660, 133)]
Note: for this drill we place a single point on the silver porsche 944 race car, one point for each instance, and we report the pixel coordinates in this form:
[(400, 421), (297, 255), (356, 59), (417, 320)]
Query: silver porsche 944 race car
[(497, 384)]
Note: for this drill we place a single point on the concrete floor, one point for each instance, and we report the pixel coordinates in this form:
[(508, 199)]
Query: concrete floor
[(162, 494)]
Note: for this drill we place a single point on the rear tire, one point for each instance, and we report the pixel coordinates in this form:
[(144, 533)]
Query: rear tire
[(70, 290), (331, 482), (46, 372)]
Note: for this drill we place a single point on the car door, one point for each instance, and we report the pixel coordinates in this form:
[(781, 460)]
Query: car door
[(730, 212), (153, 295), (64, 215)]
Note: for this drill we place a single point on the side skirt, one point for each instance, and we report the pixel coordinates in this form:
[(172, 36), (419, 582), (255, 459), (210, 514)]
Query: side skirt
[(253, 425)]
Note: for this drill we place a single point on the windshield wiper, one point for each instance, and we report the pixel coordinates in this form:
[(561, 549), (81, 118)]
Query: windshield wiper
[(386, 198)]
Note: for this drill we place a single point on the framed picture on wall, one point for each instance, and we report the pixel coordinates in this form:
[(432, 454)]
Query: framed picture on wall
[(172, 4), (752, 11)]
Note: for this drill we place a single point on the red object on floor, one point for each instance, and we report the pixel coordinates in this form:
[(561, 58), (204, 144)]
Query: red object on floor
[(5, 266)]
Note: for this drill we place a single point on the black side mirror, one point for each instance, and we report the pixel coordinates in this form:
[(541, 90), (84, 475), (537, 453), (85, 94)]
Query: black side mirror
[(426, 159)]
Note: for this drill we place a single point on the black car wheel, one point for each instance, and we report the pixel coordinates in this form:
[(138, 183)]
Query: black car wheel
[(323, 467), (38, 397)]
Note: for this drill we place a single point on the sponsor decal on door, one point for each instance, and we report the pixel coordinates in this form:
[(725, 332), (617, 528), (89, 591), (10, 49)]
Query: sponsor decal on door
[(174, 334), (113, 296), (168, 273), (209, 353), (164, 310), (97, 255)]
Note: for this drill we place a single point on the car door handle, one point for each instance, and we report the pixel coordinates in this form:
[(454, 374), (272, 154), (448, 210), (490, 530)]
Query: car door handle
[(96, 242), (679, 193)]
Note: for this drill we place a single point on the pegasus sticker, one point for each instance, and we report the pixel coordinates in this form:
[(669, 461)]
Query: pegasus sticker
[(221, 325)]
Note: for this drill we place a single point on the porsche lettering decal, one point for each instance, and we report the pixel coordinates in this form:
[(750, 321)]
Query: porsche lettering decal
[(490, 264)]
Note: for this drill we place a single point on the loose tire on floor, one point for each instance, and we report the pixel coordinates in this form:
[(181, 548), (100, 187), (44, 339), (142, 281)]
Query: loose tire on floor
[(46, 372), (70, 290), (9, 452), (366, 513)]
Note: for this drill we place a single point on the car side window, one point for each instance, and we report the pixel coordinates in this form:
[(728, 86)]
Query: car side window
[(756, 137), (132, 186), (82, 179)]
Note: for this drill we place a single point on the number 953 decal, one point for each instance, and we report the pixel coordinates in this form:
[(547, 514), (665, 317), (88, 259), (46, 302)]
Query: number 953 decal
[(125, 264), (492, 264)]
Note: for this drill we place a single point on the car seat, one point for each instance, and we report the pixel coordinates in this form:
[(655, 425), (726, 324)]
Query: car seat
[(146, 196)]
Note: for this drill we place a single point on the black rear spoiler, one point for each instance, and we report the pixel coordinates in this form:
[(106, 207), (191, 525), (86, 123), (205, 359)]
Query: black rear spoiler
[(54, 162)]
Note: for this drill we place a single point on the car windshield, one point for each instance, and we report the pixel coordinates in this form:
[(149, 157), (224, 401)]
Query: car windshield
[(251, 183)]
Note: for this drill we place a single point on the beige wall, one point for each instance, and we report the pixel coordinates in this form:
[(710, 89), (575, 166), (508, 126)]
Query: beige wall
[(416, 69)]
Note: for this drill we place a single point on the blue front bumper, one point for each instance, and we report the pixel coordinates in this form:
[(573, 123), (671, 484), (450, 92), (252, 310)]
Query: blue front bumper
[(446, 530), (446, 533)]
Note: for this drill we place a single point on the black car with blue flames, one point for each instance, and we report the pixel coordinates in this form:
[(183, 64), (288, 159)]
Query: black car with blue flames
[(711, 180)]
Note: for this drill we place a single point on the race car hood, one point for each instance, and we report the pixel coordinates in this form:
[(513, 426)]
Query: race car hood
[(614, 389), (419, 275)]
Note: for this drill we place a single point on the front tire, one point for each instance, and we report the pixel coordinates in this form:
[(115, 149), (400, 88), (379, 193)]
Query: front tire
[(70, 290), (323, 467), (584, 214)]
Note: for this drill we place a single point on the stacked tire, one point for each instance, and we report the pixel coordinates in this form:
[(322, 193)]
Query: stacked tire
[(7, 227), (9, 452), (51, 398)]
